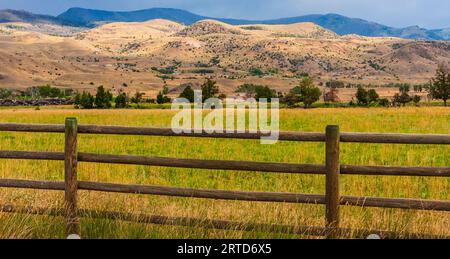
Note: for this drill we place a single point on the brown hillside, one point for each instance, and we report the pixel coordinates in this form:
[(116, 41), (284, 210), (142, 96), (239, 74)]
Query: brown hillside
[(145, 56)]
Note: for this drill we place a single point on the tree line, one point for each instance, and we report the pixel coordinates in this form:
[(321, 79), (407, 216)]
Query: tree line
[(305, 94), (37, 92)]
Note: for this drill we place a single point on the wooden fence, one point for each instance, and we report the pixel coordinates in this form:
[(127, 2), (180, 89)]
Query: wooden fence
[(332, 169)]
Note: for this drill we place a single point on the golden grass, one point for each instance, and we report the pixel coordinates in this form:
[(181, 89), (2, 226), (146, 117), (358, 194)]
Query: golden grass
[(407, 120)]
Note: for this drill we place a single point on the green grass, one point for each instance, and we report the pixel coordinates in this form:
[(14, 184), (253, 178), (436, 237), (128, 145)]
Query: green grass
[(404, 120)]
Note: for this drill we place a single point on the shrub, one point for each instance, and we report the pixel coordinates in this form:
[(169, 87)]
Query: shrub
[(47, 91), (256, 72), (5, 93), (335, 84), (166, 71), (202, 71)]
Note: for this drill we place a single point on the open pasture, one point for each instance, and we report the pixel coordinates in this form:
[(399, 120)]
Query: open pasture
[(406, 120)]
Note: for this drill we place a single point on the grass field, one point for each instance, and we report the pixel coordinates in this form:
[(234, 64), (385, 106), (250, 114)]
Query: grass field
[(403, 120)]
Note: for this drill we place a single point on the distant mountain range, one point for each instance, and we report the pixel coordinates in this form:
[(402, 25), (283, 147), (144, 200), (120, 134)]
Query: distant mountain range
[(23, 16), (341, 25)]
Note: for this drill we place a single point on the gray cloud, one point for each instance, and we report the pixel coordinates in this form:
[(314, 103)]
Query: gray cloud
[(399, 13)]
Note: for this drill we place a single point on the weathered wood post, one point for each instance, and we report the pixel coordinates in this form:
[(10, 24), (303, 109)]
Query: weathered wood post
[(70, 169), (332, 197)]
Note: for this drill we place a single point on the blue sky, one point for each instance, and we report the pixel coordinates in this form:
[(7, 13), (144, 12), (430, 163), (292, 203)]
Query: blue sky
[(398, 13)]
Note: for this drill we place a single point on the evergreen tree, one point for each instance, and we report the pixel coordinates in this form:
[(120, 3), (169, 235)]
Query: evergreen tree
[(86, 101), (77, 100), (122, 101), (188, 93), (373, 96), (137, 98), (439, 87), (103, 98), (209, 89)]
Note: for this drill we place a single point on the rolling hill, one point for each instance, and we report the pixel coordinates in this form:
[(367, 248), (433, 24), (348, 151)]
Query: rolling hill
[(144, 56), (339, 24)]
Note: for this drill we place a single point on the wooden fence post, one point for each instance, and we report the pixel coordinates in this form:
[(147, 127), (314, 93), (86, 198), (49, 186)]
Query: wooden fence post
[(332, 181), (70, 169)]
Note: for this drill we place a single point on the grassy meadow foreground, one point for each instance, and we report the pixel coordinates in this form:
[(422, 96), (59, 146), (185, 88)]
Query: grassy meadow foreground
[(405, 120)]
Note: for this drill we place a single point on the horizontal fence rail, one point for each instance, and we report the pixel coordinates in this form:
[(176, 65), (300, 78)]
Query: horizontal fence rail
[(416, 204), (231, 165), (381, 138), (332, 199)]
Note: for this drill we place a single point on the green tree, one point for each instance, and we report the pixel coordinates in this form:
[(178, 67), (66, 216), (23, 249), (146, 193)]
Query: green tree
[(46, 91), (384, 102), (247, 88), (188, 93), (165, 90), (264, 92), (373, 96), (439, 87), (161, 98), (254, 71), (77, 100), (209, 89), (362, 96), (86, 101), (103, 98), (418, 88), (403, 96), (335, 84), (122, 101), (416, 99), (404, 88), (222, 96), (137, 98), (307, 92), (5, 93), (291, 100)]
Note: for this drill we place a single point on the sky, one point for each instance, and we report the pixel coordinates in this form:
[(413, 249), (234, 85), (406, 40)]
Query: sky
[(429, 14)]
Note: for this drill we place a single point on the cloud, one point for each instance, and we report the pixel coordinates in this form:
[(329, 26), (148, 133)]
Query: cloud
[(399, 13)]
